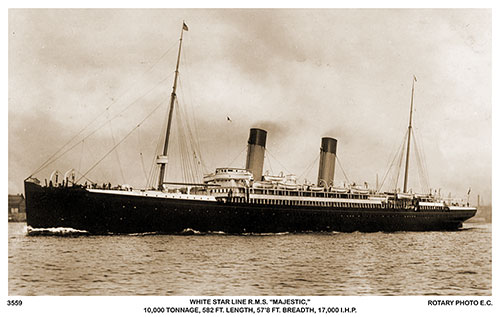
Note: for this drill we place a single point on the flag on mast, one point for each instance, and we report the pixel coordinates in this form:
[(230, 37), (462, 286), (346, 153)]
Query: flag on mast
[(184, 26), (414, 77)]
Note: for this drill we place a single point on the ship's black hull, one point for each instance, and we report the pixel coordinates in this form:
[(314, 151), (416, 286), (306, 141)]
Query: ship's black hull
[(104, 213)]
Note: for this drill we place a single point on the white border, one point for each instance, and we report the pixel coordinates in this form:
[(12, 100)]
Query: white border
[(132, 306)]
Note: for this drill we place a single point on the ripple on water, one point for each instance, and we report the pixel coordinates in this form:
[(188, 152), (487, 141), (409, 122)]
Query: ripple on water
[(402, 263)]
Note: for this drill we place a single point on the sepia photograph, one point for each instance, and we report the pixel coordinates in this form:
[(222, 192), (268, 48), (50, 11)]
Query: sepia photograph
[(238, 157)]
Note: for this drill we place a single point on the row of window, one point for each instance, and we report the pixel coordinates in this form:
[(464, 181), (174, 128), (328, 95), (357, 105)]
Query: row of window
[(276, 192), (230, 170), (395, 215), (306, 193), (319, 203), (431, 207), (225, 190), (307, 203)]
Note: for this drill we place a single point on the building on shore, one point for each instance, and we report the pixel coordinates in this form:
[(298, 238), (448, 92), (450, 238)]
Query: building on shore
[(17, 208)]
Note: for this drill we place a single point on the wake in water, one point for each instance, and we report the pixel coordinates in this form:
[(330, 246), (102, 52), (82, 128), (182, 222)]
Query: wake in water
[(59, 231), (190, 231), (66, 231)]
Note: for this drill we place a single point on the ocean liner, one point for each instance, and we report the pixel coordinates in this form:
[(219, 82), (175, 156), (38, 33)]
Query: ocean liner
[(238, 200)]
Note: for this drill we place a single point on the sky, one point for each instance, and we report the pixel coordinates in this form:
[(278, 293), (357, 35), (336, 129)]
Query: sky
[(301, 74)]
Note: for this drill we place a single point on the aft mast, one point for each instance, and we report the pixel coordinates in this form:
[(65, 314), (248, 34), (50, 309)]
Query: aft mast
[(409, 136), (162, 159)]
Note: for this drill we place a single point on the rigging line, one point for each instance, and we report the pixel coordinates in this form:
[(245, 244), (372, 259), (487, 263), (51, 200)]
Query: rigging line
[(102, 112), (237, 156), (420, 153), (391, 163), (181, 144), (342, 169), (400, 164), (141, 156), (187, 162), (53, 158), (398, 170), (424, 182), (286, 170), (81, 156), (193, 136), (308, 168), (190, 169), (399, 167), (192, 145), (91, 181), (160, 141), (124, 138), (421, 177), (116, 152), (186, 143), (176, 143), (153, 176), (394, 164), (419, 166), (150, 179), (161, 57), (401, 158), (192, 107), (396, 147), (188, 73), (144, 168), (173, 142), (152, 172), (93, 156), (154, 167), (269, 162), (424, 160)]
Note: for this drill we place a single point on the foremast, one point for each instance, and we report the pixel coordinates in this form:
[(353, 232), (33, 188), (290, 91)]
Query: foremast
[(162, 159), (407, 163)]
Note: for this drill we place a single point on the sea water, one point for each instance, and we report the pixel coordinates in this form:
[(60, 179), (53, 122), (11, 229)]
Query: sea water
[(400, 263)]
